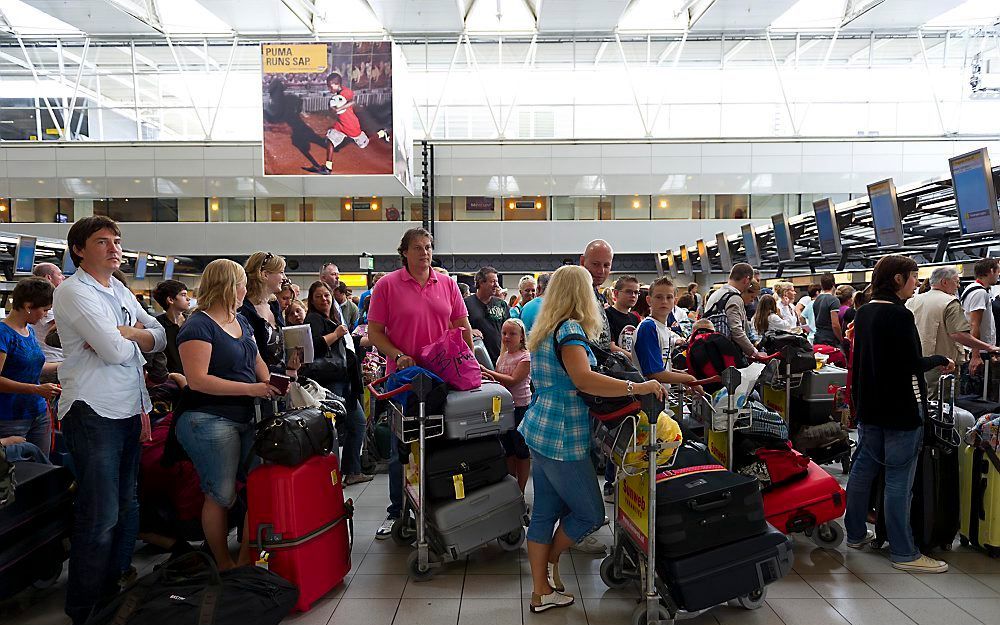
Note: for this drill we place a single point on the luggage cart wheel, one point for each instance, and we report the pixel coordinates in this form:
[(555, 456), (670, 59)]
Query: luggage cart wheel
[(639, 616), (417, 573), (512, 541), (403, 532), (828, 535), (947, 547), (608, 574), (752, 601)]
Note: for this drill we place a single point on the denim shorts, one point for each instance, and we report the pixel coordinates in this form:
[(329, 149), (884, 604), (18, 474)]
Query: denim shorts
[(566, 491), (217, 447)]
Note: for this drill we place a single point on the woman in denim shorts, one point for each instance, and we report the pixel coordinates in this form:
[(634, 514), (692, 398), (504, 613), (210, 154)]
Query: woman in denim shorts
[(224, 373), (557, 430)]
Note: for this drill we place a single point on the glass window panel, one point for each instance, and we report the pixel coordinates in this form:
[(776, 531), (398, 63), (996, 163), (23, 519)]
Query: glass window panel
[(729, 206), (165, 209), (221, 209), (324, 208), (763, 206), (631, 207), (36, 210), (131, 209), (575, 208), (679, 207), (476, 208), (525, 208), (281, 209)]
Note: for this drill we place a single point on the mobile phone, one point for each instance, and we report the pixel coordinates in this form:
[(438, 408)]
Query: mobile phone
[(279, 382)]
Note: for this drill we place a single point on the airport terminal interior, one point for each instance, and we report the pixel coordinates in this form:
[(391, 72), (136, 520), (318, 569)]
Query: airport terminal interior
[(281, 343)]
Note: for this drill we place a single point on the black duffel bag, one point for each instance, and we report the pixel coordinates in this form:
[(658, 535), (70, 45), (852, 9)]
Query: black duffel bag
[(191, 591), (608, 410), (292, 437), (776, 340)]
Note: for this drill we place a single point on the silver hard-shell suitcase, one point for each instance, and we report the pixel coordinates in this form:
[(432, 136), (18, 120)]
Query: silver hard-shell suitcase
[(484, 411), (816, 384), (489, 513)]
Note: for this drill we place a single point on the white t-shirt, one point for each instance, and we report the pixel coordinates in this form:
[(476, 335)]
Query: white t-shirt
[(977, 297)]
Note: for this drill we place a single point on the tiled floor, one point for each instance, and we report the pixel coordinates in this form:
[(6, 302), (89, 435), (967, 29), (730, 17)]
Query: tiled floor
[(492, 587)]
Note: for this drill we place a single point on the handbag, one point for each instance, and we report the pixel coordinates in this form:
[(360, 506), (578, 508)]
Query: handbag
[(451, 359), (190, 590), (609, 410), (292, 437)]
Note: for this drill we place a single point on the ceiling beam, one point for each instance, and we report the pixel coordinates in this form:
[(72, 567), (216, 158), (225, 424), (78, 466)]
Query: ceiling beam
[(131, 12)]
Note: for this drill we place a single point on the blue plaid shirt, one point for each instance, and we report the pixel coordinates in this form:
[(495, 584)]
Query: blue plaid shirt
[(557, 425)]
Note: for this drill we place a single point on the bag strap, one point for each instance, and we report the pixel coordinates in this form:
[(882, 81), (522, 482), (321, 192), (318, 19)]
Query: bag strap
[(975, 286), (209, 600), (721, 304), (557, 344)]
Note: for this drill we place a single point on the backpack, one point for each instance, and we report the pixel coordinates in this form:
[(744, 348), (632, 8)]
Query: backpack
[(7, 481), (717, 314), (608, 410), (710, 353)]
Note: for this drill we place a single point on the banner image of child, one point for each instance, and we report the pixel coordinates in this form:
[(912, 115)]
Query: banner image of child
[(331, 117)]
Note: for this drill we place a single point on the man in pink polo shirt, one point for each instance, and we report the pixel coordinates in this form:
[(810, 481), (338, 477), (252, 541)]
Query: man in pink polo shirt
[(411, 308)]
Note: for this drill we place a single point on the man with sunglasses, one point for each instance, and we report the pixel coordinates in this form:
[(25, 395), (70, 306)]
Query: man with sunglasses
[(104, 332)]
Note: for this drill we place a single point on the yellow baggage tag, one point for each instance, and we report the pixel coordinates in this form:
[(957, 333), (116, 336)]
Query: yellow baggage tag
[(333, 477), (496, 408), (459, 482), (262, 560)]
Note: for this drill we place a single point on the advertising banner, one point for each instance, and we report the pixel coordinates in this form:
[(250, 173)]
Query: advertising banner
[(328, 109)]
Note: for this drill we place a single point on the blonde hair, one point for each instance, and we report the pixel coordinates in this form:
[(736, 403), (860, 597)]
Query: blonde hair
[(218, 285), (295, 303), (256, 265), (569, 295), (524, 333)]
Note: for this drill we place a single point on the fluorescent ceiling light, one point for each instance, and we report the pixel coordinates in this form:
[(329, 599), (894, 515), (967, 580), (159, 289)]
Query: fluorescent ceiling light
[(188, 17), (812, 15), (500, 16), (970, 13), (27, 20)]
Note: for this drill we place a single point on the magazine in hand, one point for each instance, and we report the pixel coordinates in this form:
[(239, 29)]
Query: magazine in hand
[(298, 339)]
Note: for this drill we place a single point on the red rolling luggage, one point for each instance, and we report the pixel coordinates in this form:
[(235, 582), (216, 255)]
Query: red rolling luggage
[(805, 504), (300, 525)]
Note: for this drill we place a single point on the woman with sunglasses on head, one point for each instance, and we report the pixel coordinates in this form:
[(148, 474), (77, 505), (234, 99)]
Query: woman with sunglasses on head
[(265, 280), (336, 367), (225, 375)]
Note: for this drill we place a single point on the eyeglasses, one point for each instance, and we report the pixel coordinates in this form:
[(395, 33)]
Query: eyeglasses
[(629, 291)]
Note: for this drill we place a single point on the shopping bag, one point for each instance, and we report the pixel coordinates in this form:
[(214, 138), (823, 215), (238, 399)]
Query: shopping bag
[(451, 359)]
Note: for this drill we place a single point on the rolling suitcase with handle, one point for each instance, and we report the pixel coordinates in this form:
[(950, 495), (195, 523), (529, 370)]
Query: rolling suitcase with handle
[(813, 501), (454, 467), (745, 567), (492, 512), (300, 526), (980, 499), (700, 505), (484, 411)]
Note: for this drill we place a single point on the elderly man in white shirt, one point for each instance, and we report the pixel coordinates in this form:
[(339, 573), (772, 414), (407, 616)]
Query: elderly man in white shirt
[(104, 332)]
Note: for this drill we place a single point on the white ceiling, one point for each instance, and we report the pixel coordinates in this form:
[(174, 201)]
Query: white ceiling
[(447, 17)]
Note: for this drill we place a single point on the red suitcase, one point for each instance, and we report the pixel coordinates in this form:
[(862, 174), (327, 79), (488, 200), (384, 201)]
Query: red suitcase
[(301, 524), (806, 503)]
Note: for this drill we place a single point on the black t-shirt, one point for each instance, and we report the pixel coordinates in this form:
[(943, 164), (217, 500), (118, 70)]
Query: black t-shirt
[(823, 305), (623, 326), (270, 343), (173, 356), (233, 359), (488, 319)]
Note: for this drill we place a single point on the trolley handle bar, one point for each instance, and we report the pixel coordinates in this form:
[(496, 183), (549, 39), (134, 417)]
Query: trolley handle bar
[(767, 358), (712, 380), (390, 394)]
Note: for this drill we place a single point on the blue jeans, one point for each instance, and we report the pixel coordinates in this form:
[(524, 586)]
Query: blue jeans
[(106, 512), (897, 452), (354, 433), (565, 492), (37, 431), (217, 447)]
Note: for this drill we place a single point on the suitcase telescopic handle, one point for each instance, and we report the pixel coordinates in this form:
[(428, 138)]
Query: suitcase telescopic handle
[(712, 505)]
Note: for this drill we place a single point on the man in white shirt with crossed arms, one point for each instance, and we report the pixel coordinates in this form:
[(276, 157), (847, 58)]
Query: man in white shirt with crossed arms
[(103, 331)]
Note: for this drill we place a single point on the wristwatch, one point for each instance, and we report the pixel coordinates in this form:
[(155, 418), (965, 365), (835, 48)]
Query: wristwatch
[(629, 388), (398, 356)]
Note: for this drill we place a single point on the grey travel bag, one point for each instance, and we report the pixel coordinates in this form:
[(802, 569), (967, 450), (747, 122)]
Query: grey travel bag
[(484, 411)]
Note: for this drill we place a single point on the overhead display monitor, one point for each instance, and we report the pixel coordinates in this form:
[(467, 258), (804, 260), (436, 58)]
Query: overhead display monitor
[(885, 214), (826, 227), (686, 260), (168, 268), (68, 266), (706, 262), (672, 263), (750, 245), (140, 265), (24, 255), (722, 241), (975, 194), (783, 238)]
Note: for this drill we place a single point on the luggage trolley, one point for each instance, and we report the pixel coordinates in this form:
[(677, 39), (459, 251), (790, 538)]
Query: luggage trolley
[(431, 548), (633, 556), (778, 396)]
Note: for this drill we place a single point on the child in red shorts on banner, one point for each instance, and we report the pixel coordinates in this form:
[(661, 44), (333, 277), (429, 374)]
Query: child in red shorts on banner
[(347, 123)]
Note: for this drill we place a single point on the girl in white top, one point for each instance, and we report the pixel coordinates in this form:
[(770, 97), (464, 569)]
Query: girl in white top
[(785, 294), (767, 318)]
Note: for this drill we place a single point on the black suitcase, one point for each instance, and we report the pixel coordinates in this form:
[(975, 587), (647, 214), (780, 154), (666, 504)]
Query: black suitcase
[(479, 462), (34, 526), (700, 505), (977, 405), (712, 577)]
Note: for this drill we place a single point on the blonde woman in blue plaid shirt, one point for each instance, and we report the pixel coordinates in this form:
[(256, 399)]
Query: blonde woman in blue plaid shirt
[(557, 430)]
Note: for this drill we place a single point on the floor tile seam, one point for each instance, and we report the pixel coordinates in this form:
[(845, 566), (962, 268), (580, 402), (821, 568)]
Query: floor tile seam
[(971, 615), (896, 607)]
